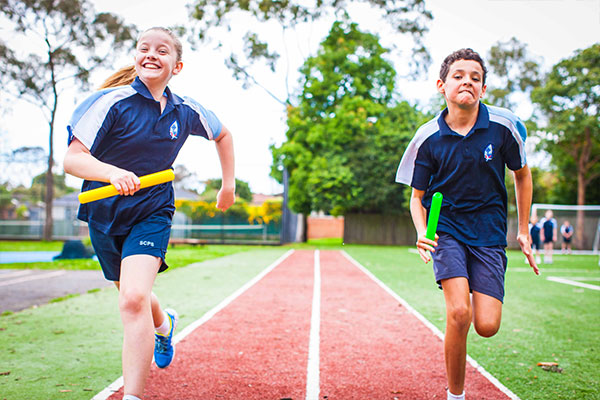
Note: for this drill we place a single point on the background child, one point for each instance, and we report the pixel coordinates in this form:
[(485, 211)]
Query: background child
[(548, 235), (115, 136), (463, 154), (534, 232), (566, 231)]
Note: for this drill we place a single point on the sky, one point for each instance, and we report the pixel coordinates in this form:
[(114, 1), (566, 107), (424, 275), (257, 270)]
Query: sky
[(552, 30)]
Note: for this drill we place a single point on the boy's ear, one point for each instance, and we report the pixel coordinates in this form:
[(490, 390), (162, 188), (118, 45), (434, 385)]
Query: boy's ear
[(440, 86), (483, 89)]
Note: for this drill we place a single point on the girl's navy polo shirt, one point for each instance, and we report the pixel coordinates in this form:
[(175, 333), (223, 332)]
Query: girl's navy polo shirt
[(469, 171), (124, 126)]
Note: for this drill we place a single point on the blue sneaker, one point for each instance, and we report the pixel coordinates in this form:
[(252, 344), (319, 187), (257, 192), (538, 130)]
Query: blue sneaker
[(164, 349)]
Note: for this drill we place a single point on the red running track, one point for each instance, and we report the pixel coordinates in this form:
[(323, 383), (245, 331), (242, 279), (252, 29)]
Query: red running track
[(371, 347)]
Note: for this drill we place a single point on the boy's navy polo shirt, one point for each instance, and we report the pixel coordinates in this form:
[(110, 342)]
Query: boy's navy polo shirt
[(124, 126), (469, 171)]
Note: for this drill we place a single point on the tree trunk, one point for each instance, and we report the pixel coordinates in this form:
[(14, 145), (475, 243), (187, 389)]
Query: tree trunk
[(49, 225), (579, 226), (582, 169), (49, 198)]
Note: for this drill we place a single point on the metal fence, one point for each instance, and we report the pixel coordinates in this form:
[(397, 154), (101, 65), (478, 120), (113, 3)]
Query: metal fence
[(208, 233)]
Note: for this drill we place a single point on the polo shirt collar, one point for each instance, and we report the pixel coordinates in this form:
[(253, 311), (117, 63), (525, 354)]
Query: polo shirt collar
[(483, 121), (141, 88)]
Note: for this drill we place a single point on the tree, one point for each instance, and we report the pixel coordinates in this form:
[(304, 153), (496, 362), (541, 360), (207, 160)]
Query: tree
[(513, 70), (22, 162), (346, 136), (38, 186), (242, 190), (70, 40), (6, 204), (568, 101), (407, 17)]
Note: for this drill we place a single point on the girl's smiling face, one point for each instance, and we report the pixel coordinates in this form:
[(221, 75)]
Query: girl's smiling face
[(156, 59), (464, 84)]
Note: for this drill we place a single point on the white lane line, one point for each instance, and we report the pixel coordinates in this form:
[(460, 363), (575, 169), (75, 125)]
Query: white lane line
[(547, 270), (584, 278), (32, 278), (6, 275), (118, 383), (432, 327), (572, 283), (312, 371)]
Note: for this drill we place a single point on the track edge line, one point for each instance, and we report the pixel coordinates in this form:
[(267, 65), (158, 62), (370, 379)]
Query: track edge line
[(493, 380), (118, 383)]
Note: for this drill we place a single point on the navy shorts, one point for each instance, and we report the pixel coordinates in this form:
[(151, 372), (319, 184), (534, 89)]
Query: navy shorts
[(535, 243), (150, 236), (483, 266)]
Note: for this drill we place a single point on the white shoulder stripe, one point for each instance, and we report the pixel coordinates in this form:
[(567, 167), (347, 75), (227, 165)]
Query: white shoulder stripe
[(406, 167), (513, 124), (202, 114), (92, 116)]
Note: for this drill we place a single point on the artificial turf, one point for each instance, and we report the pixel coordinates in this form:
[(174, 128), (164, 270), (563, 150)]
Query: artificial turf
[(71, 349)]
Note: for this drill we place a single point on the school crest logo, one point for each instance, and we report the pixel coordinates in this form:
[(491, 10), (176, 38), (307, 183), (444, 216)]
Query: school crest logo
[(174, 130), (488, 153)]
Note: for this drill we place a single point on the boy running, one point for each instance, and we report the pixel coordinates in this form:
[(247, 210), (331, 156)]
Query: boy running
[(463, 154)]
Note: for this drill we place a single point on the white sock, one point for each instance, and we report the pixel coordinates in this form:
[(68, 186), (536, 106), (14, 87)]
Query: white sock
[(456, 396), (165, 327), (130, 397)]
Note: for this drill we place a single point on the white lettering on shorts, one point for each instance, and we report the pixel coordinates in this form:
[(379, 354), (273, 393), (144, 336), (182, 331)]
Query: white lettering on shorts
[(146, 243)]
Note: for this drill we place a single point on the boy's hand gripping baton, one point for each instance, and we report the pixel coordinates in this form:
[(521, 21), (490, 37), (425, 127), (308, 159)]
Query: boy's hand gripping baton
[(434, 215), (108, 191)]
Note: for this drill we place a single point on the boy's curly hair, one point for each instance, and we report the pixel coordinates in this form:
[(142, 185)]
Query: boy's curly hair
[(462, 54)]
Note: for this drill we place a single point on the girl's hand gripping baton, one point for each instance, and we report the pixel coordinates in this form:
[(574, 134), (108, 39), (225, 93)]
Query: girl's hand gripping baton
[(108, 191)]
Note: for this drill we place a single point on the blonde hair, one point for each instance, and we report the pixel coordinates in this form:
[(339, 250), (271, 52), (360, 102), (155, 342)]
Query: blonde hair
[(126, 75)]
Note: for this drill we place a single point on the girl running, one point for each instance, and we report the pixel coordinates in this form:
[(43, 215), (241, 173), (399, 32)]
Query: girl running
[(135, 126)]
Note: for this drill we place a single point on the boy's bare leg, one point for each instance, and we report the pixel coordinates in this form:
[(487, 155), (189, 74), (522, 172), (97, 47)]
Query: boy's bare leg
[(458, 320), (135, 303), (487, 314)]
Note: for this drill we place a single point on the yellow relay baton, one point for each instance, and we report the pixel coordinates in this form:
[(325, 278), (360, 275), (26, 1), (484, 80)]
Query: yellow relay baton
[(108, 191)]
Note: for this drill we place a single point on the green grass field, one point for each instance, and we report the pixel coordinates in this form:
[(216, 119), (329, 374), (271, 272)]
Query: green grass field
[(71, 349), (542, 320)]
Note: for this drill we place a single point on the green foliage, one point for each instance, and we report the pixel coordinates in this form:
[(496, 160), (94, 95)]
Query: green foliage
[(409, 18), (544, 186), (346, 136), (36, 192), (59, 181), (242, 190), (66, 40), (568, 102), (349, 63), (72, 37), (5, 199), (513, 69), (268, 212), (240, 212)]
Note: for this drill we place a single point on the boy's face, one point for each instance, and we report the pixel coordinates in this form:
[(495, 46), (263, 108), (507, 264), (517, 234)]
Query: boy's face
[(464, 84), (156, 58)]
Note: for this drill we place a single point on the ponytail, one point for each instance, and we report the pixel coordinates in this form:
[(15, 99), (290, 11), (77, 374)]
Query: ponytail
[(124, 76)]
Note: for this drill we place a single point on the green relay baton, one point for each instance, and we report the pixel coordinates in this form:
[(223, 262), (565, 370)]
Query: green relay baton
[(434, 215)]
